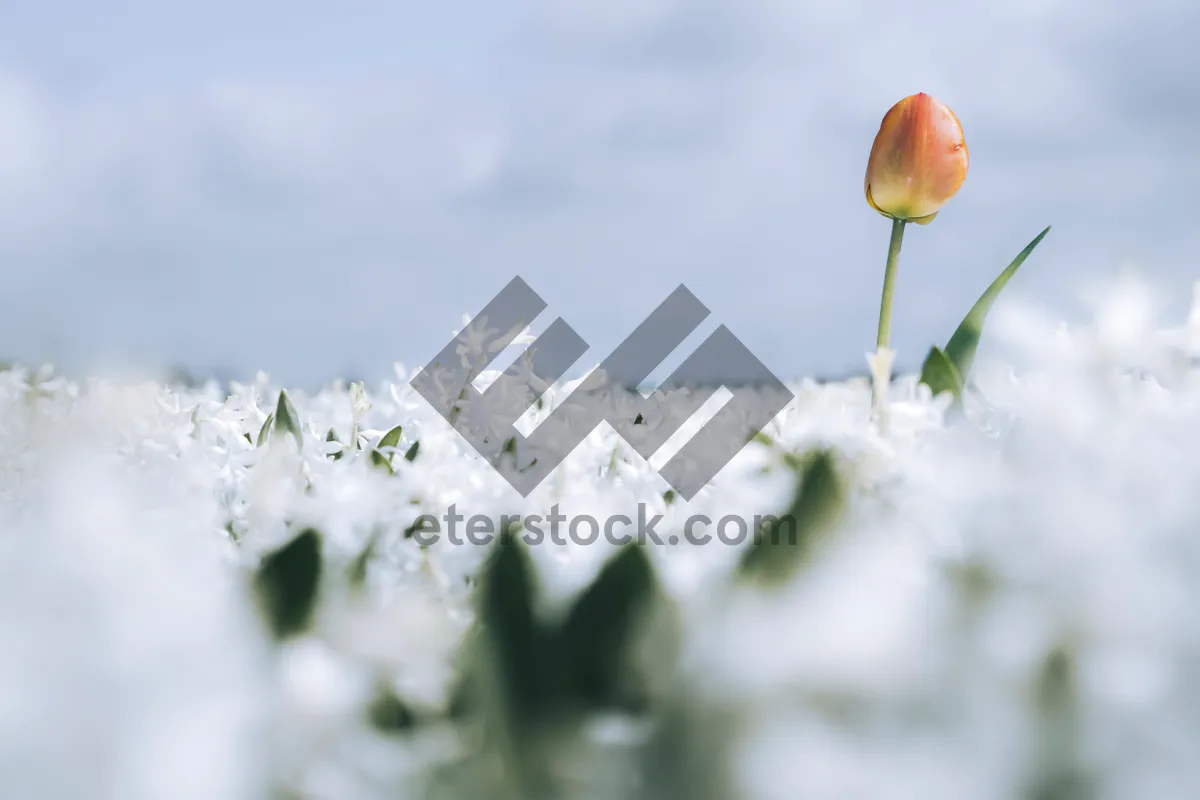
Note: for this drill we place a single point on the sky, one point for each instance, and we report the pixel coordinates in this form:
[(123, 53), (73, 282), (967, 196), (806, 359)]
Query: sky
[(319, 190)]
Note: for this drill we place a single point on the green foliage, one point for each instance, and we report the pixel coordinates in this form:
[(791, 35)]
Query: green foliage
[(939, 373), (282, 421), (531, 681), (391, 438), (332, 437), (947, 369), (383, 460), (506, 613), (286, 584), (388, 714), (594, 638), (541, 669), (1055, 688), (265, 430), (782, 544), (287, 421), (419, 525), (975, 582), (356, 572), (1059, 769)]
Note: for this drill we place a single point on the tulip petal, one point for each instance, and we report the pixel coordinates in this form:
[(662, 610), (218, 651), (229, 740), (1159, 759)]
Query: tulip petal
[(918, 160), (871, 201)]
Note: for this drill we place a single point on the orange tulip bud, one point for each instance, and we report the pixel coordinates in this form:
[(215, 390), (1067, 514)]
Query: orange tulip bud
[(918, 160)]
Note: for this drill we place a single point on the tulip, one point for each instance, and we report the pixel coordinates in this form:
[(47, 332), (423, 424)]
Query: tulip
[(918, 162)]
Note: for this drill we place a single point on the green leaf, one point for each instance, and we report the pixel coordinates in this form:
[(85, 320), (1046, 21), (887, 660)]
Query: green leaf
[(332, 437), (286, 584), (380, 461), (389, 714), (975, 582), (506, 613), (286, 418), (356, 573), (1056, 684), (384, 460), (265, 430), (419, 525), (763, 438), (1060, 770), (391, 438), (783, 544), (595, 639), (939, 373), (960, 350), (462, 702), (410, 455)]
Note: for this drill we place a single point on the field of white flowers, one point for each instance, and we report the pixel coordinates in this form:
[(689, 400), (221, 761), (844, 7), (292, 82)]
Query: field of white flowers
[(217, 594)]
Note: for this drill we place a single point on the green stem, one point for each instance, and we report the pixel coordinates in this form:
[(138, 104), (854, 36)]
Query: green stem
[(889, 280)]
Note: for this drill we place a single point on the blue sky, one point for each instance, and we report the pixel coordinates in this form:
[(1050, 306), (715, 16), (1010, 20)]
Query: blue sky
[(318, 190)]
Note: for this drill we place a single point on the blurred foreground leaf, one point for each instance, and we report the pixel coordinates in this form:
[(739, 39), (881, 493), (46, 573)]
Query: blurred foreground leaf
[(1059, 771), (1055, 689), (601, 624), (506, 613), (580, 663), (532, 681), (783, 544), (286, 584), (356, 572), (960, 350), (389, 714), (419, 525)]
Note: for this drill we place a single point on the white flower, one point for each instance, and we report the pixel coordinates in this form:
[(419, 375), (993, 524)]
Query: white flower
[(475, 339), (359, 403)]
